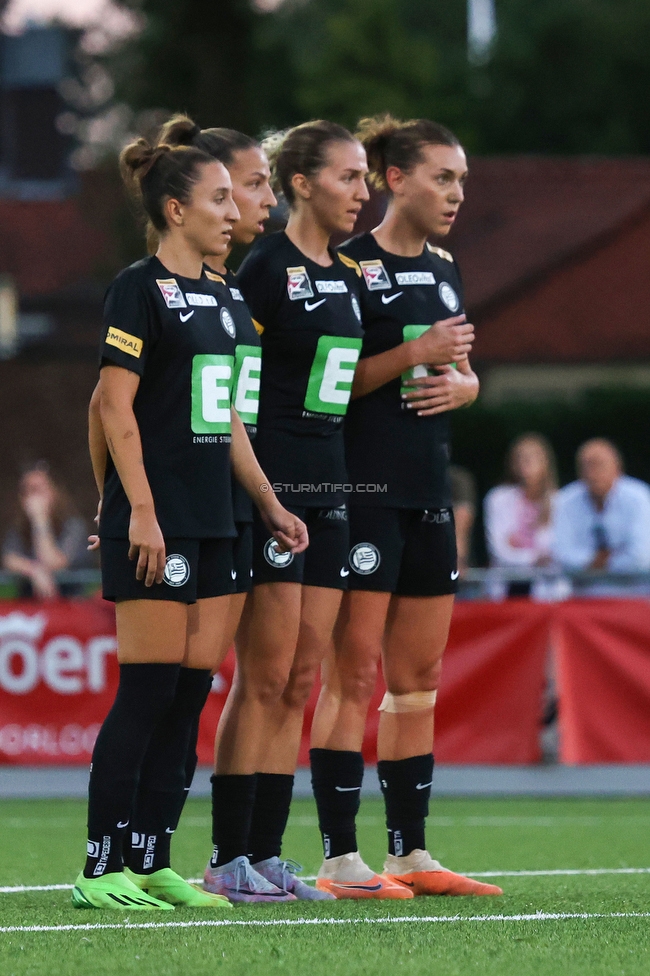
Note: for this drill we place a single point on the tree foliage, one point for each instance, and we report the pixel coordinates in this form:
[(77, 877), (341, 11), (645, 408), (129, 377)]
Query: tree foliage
[(566, 76)]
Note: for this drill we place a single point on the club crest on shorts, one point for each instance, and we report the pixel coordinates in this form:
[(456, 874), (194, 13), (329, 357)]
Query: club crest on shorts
[(280, 560), (448, 296), (177, 570), (228, 322), (171, 292), (298, 284), (364, 558), (375, 275)]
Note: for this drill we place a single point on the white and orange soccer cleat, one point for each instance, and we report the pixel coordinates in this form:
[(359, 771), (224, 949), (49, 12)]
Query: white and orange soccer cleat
[(347, 876), (419, 873)]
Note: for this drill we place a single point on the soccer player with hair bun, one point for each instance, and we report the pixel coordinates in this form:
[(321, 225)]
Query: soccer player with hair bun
[(167, 363), (304, 300), (413, 370)]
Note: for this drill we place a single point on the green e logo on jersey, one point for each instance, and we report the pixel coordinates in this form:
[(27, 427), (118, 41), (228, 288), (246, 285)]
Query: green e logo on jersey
[(332, 372), (417, 372), (211, 385), (248, 366)]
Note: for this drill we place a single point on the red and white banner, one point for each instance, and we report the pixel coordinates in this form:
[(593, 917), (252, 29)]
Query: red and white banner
[(58, 675)]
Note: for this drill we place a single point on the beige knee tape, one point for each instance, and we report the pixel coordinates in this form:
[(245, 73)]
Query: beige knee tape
[(414, 701)]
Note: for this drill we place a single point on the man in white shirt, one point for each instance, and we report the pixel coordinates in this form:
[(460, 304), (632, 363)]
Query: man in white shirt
[(602, 521)]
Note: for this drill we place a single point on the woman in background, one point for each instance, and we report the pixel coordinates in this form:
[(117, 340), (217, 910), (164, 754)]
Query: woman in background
[(47, 536), (518, 513)]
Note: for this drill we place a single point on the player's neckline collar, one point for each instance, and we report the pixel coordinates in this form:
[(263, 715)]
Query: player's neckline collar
[(175, 274), (400, 257), (305, 257)]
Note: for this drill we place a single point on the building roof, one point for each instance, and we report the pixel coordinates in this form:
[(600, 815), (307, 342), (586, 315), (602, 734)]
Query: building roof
[(525, 216)]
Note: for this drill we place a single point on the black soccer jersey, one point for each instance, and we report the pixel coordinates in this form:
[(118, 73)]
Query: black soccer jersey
[(246, 385), (386, 443), (178, 335), (311, 338)]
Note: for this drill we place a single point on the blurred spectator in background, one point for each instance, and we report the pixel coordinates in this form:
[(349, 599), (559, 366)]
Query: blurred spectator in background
[(518, 513), (46, 536), (602, 521), (463, 500)]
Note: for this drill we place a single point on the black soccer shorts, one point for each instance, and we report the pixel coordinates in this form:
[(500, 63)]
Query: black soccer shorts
[(408, 552), (242, 557), (196, 569), (323, 563)]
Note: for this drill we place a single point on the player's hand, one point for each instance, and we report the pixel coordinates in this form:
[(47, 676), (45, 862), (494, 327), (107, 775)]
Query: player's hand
[(93, 540), (451, 389), (287, 529), (147, 546), (447, 341)]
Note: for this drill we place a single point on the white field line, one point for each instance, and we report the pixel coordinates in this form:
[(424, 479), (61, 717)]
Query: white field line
[(17, 823), (292, 922), (19, 889)]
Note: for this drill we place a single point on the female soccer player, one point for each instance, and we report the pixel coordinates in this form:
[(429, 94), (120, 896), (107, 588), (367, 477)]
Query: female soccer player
[(403, 551), (249, 172), (303, 297), (167, 363)]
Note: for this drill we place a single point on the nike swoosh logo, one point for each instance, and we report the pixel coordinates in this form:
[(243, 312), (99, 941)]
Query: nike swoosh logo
[(233, 574), (169, 830), (423, 786), (455, 575), (409, 884), (310, 306), (267, 894), (125, 824), (184, 318), (345, 572), (387, 299), (359, 887), (346, 789)]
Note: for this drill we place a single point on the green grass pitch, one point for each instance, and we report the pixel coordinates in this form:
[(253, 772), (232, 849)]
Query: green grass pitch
[(42, 843)]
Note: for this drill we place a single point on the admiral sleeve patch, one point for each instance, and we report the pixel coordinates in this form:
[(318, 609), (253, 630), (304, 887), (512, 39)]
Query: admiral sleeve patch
[(125, 342)]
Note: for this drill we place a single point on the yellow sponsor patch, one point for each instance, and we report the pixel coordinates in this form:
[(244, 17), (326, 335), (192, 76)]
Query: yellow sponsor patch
[(349, 263), (122, 340), (214, 277), (259, 328)]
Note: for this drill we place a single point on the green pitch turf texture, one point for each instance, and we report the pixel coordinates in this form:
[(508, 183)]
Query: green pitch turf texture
[(42, 843)]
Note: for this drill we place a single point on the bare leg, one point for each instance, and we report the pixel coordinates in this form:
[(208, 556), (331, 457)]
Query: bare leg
[(265, 649), (416, 636), (350, 674), (320, 607)]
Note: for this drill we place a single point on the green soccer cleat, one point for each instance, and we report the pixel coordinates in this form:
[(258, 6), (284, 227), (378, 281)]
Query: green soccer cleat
[(165, 885), (114, 891)]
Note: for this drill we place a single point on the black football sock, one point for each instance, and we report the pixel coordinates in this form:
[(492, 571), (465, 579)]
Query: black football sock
[(270, 814), (336, 778), (144, 694), (233, 798), (162, 789), (406, 785)]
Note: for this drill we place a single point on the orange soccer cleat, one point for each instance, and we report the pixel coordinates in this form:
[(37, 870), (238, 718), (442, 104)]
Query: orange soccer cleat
[(347, 876), (419, 873)]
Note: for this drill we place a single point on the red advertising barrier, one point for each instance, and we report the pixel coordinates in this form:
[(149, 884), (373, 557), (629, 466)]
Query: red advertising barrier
[(58, 674), (603, 649)]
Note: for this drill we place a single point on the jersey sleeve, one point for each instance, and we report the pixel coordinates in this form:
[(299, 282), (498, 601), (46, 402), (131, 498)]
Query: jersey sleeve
[(128, 328), (262, 286)]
